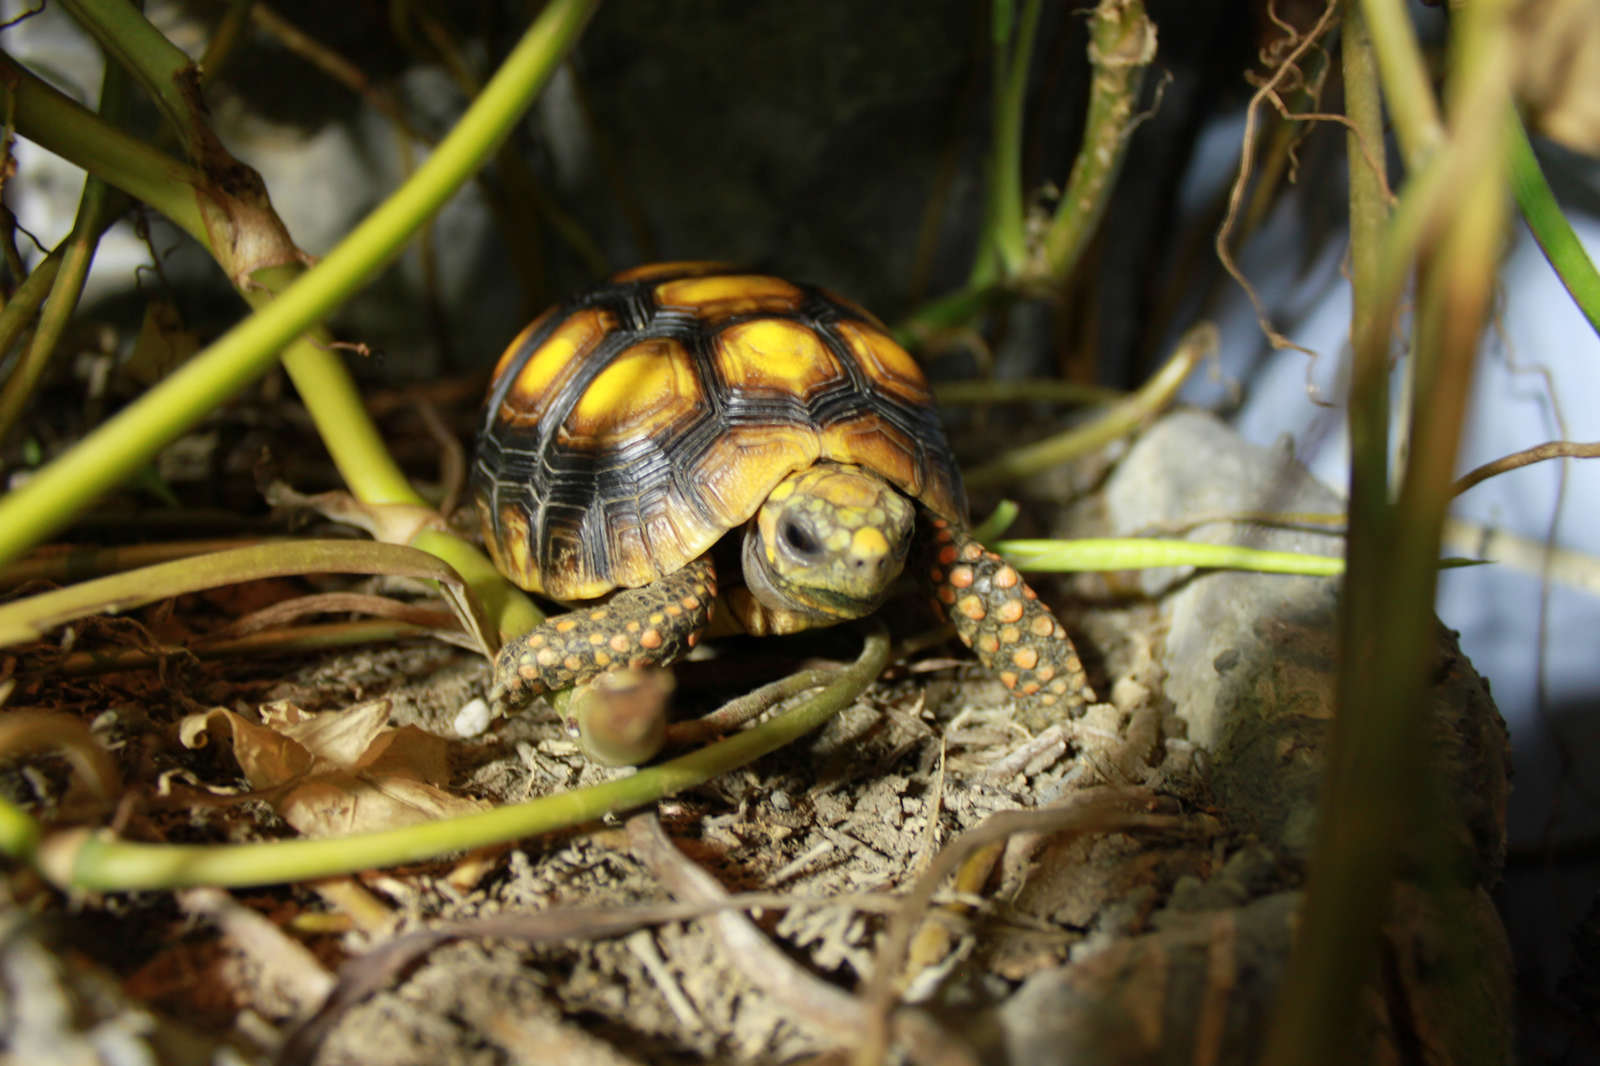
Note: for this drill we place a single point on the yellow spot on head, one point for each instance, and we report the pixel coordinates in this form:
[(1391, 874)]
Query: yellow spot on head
[(869, 543)]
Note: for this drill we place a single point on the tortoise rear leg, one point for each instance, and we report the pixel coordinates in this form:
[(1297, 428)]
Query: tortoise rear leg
[(649, 626), (1002, 620)]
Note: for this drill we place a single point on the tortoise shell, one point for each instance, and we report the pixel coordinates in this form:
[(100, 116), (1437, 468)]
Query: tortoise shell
[(629, 428)]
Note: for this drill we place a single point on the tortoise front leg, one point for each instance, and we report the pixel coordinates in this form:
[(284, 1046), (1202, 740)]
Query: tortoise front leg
[(649, 626), (1002, 620)]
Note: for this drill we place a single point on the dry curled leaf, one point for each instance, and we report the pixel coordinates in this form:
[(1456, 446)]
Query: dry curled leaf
[(336, 772)]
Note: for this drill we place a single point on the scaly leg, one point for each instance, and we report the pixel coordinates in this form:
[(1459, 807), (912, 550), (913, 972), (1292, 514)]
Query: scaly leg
[(1002, 620), (649, 626)]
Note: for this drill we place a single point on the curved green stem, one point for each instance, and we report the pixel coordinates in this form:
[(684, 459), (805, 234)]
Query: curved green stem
[(86, 861)]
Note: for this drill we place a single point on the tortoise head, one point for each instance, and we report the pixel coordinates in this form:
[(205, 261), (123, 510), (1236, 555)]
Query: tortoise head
[(825, 546)]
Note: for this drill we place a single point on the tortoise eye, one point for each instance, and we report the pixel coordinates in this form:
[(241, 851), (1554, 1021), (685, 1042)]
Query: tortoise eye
[(799, 538)]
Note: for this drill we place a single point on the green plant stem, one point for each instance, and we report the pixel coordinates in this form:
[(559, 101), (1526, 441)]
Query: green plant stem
[(1377, 781), (59, 124), (98, 207), (165, 72), (950, 311), (19, 834), (33, 617), (1365, 587), (1005, 239), (87, 861), (29, 297), (1089, 554), (127, 441), (1551, 228), (1372, 327), (225, 37), (511, 612), (1122, 43), (1116, 421), (1407, 88), (308, 639)]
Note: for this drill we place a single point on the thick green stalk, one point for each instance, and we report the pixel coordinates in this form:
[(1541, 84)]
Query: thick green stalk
[(1406, 86), (1122, 43), (1378, 770), (59, 124), (1339, 952), (160, 66)]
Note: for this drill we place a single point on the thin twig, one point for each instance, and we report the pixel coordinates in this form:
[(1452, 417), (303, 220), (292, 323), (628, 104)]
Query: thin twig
[(737, 712), (1236, 196), (1556, 449)]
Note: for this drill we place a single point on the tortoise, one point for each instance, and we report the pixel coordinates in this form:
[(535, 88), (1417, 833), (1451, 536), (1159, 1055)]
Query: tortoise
[(632, 430)]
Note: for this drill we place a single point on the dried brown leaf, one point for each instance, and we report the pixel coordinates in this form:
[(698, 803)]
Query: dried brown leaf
[(338, 772), (267, 757)]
